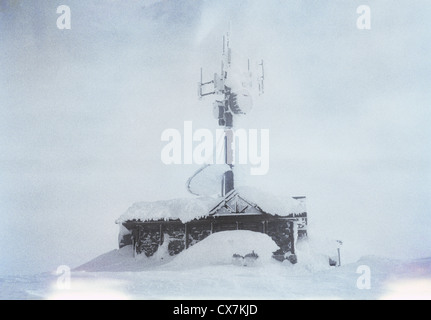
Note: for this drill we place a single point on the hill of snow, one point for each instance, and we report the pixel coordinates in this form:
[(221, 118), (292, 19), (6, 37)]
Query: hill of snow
[(207, 271), (216, 249), (219, 248)]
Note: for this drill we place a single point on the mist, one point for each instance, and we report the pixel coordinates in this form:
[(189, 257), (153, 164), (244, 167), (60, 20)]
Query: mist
[(83, 110)]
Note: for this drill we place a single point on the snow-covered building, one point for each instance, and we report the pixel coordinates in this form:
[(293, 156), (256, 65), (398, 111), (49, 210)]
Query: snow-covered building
[(180, 223), (184, 222)]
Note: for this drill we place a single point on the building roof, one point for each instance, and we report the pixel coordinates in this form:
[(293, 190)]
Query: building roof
[(243, 200)]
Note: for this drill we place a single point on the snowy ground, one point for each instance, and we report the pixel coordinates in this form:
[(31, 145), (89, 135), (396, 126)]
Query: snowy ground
[(207, 271)]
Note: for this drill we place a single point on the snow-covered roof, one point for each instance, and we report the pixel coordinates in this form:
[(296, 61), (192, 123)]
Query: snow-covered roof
[(187, 209), (270, 203)]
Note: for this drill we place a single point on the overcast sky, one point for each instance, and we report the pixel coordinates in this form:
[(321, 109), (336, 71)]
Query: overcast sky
[(82, 112)]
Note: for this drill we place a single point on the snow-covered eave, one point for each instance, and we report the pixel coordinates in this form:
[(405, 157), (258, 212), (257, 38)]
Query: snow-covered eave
[(186, 210), (295, 214), (288, 215), (284, 216), (176, 219), (172, 219), (235, 214)]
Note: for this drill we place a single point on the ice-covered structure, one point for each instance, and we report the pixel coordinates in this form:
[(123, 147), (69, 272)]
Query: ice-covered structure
[(183, 222)]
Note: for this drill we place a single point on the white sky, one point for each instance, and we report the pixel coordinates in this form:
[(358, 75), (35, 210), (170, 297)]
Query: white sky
[(82, 111)]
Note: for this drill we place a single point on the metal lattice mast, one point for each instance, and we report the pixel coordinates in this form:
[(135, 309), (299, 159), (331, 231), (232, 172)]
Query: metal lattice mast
[(236, 101)]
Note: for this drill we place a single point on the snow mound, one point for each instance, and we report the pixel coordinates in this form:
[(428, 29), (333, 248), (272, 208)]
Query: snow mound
[(120, 260), (310, 259), (218, 249)]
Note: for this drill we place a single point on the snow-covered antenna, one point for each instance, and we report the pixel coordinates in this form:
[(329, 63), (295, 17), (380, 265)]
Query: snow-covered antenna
[(227, 52), (261, 78), (236, 101)]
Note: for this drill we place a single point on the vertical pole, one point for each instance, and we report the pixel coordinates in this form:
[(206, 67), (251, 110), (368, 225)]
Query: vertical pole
[(133, 246), (186, 236), (228, 180), (211, 228), (224, 182), (225, 148), (228, 142), (339, 257), (224, 45), (292, 232), (161, 235)]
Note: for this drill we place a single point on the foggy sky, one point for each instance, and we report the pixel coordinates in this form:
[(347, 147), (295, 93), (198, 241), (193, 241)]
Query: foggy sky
[(82, 111)]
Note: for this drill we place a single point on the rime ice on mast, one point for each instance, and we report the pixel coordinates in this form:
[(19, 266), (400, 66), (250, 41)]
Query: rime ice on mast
[(236, 100)]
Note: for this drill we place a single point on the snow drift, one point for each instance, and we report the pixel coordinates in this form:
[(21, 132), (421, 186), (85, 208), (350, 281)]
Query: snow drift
[(121, 260), (219, 248)]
